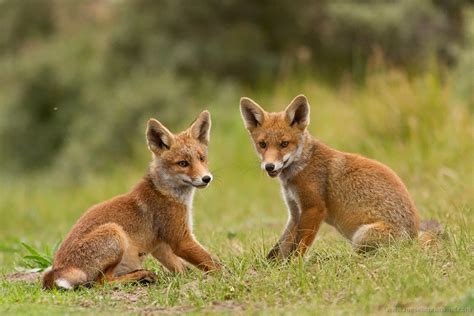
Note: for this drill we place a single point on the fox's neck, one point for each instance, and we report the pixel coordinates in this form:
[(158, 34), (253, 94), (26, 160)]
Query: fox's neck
[(168, 186), (300, 159)]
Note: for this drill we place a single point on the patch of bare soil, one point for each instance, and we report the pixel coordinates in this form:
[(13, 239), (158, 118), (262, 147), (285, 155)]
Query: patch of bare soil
[(23, 276), (132, 297)]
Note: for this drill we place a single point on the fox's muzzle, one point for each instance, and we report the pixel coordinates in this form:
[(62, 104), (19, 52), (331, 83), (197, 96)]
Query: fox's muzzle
[(272, 168), (200, 182), (269, 167)]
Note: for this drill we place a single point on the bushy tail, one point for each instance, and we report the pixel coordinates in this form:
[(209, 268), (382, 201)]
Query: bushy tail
[(49, 278), (430, 231)]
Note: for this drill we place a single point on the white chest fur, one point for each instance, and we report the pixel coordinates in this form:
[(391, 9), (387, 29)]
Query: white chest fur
[(290, 195), (188, 202)]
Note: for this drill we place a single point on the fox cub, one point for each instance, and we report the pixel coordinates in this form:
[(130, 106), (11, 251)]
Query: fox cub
[(362, 198), (111, 240)]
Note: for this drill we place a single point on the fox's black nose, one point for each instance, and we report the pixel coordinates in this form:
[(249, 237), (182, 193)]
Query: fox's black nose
[(269, 167), (206, 179)]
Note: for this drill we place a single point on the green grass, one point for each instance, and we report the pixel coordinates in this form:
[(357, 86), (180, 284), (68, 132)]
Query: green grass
[(416, 126)]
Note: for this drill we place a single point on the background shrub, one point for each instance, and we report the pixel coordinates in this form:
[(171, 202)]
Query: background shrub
[(23, 22), (83, 76)]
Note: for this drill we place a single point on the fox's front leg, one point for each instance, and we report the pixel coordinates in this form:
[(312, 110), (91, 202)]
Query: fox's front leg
[(191, 251), (286, 244), (309, 223), (164, 253)]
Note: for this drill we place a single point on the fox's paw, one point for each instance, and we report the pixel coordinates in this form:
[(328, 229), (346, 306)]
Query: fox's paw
[(274, 254), (148, 277)]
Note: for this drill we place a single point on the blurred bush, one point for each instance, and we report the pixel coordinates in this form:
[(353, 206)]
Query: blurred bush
[(22, 22), (406, 31), (247, 40), (464, 70), (83, 77), (39, 116)]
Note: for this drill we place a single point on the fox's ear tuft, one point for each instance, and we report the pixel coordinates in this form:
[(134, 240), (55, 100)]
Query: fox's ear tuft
[(297, 113), (159, 138), (201, 127), (252, 114)]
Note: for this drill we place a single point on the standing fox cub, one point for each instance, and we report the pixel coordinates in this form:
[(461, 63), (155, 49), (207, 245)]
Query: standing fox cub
[(362, 198), (111, 240)]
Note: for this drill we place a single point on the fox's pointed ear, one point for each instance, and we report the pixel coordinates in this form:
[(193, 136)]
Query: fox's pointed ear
[(201, 127), (159, 138), (252, 114), (297, 113)]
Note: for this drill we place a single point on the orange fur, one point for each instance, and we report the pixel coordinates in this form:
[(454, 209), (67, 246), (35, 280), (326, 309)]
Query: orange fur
[(111, 240), (362, 198)]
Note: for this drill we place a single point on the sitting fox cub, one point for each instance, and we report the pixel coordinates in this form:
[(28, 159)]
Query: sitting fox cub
[(111, 240), (362, 198)]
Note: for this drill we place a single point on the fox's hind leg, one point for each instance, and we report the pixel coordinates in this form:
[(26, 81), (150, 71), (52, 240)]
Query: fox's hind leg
[(370, 236), (88, 258), (129, 269)]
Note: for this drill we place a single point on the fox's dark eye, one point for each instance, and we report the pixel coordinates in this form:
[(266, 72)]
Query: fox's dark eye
[(202, 158), (262, 144), (284, 144), (183, 163)]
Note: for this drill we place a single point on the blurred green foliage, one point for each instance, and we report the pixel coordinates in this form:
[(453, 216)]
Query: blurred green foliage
[(36, 125), (247, 39), (80, 78), (21, 22)]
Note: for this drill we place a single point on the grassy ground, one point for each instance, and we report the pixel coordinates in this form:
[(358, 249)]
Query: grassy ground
[(417, 127)]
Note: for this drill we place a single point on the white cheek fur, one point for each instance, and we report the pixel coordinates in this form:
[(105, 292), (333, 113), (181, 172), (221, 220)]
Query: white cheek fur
[(185, 177)]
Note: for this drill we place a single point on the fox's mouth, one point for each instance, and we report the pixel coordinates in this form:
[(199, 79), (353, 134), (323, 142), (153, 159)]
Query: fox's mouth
[(274, 173), (199, 186)]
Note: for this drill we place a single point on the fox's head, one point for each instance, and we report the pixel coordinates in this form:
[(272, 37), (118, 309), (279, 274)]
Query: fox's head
[(278, 137), (181, 159)]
